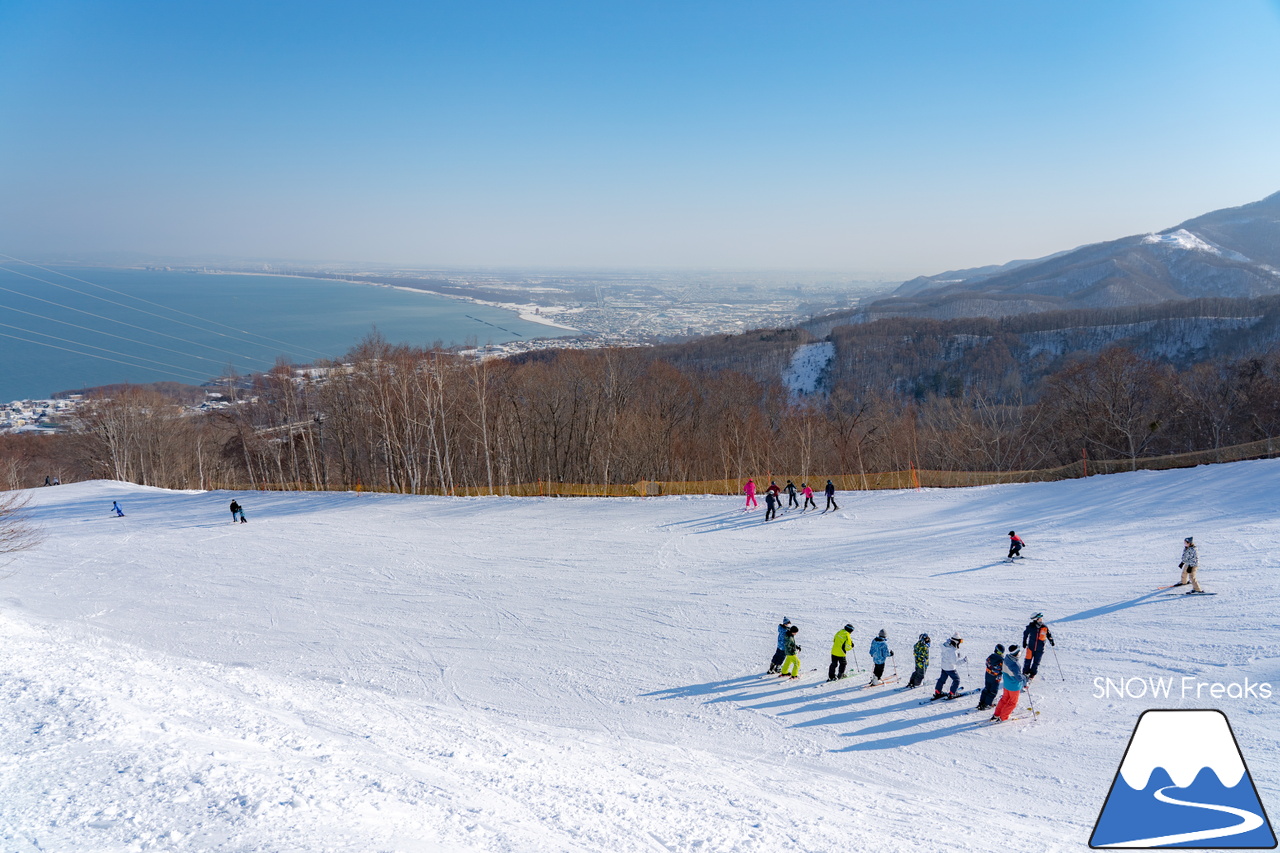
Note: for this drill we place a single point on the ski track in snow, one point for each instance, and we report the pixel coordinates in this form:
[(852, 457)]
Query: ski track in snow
[(394, 673)]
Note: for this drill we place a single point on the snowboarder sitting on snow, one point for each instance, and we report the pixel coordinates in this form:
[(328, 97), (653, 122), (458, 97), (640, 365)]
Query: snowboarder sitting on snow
[(1033, 637), (1013, 682), (879, 654), (791, 663), (1015, 546), (775, 665), (1190, 562), (115, 507), (770, 504), (237, 510), (995, 665), (790, 489), (951, 658), (921, 651), (808, 496), (840, 648)]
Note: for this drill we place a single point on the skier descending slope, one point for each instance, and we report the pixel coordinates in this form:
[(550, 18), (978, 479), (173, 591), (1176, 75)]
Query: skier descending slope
[(951, 659), (775, 665), (879, 654), (115, 507), (791, 664), (1033, 639), (770, 505), (1015, 546), (921, 652), (1013, 683), (841, 645), (831, 496), (808, 497), (995, 665), (1190, 562)]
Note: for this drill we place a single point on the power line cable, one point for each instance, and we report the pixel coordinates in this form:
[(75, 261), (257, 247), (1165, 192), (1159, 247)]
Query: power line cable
[(122, 322), (98, 332), (294, 347), (92, 355), (102, 349)]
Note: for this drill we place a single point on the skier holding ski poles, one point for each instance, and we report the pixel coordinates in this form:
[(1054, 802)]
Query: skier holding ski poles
[(951, 659), (775, 665), (841, 645), (1033, 639), (921, 652), (880, 653)]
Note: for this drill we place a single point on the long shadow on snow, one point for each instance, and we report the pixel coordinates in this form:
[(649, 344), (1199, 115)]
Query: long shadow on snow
[(1112, 608), (974, 569), (854, 715), (702, 689), (907, 739)]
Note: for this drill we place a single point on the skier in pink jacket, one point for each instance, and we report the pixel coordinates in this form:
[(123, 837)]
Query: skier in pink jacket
[(750, 489), (808, 496)]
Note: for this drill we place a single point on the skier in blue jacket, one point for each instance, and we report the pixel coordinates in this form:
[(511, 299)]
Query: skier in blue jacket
[(880, 653), (780, 654)]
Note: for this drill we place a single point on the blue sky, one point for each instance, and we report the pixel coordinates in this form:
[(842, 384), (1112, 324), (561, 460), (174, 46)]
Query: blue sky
[(900, 138)]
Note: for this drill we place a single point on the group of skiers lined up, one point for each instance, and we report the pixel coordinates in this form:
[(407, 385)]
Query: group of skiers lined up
[(1003, 667), (237, 512), (773, 497)]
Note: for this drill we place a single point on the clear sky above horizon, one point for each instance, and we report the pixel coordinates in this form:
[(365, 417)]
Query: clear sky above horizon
[(893, 138)]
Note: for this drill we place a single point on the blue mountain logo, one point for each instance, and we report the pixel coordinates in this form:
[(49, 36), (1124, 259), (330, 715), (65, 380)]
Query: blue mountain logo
[(1183, 783)]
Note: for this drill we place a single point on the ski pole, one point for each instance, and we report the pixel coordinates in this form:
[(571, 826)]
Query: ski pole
[(1026, 688), (895, 664), (1055, 660)]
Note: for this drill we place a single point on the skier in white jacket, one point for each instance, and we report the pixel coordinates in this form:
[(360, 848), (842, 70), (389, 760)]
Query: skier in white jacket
[(951, 659)]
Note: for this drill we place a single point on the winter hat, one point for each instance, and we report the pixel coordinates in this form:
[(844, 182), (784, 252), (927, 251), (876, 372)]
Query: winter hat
[(999, 648), (1187, 540), (1010, 532), (786, 620), (882, 635), (848, 627), (956, 638), (1013, 650), (924, 637), (794, 629)]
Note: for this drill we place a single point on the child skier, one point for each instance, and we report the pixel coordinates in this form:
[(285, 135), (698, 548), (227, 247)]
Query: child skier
[(840, 648), (995, 665), (115, 507), (770, 505), (921, 651), (750, 489), (775, 665), (790, 489), (1033, 639), (951, 658), (791, 663), (831, 496), (1190, 562), (1015, 546), (808, 496), (237, 510), (1013, 682), (879, 654)]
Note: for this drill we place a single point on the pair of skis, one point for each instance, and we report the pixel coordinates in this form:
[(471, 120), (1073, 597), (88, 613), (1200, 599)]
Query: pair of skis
[(947, 697)]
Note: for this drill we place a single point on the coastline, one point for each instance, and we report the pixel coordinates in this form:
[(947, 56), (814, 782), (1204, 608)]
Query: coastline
[(523, 311)]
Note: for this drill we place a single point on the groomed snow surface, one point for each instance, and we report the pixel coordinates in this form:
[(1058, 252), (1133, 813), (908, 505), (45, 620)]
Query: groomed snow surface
[(361, 672)]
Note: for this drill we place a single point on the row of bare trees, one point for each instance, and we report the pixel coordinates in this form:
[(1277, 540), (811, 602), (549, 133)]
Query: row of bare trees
[(393, 418)]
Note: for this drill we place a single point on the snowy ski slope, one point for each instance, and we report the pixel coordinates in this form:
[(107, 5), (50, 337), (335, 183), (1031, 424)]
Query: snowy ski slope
[(359, 672)]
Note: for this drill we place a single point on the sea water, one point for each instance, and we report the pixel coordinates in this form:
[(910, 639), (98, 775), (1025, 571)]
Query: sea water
[(58, 334)]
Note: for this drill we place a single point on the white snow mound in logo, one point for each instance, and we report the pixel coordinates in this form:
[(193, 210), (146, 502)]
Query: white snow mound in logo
[(1183, 743)]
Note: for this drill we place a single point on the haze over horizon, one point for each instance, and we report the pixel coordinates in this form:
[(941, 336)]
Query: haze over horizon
[(908, 139)]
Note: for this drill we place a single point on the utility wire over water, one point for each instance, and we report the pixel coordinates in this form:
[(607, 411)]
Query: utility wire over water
[(106, 325)]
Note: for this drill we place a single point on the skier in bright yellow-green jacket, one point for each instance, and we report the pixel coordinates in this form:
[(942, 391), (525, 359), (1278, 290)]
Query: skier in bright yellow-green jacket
[(840, 648)]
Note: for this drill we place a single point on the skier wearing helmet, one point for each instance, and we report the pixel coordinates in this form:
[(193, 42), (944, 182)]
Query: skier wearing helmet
[(951, 659), (1033, 638), (841, 645), (1015, 546), (995, 665), (1190, 562), (921, 651)]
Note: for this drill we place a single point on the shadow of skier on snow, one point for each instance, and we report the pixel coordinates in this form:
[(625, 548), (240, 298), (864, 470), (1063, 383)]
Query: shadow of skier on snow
[(1152, 597), (707, 689), (974, 569), (894, 741)]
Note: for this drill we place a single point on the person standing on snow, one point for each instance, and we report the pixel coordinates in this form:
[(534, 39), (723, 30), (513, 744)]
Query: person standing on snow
[(791, 663), (840, 648), (880, 653), (831, 496), (995, 665), (1013, 682), (775, 665), (1190, 562), (951, 659), (750, 489), (921, 651), (790, 489), (1033, 639), (237, 510), (1015, 546), (808, 496), (770, 504), (115, 507)]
